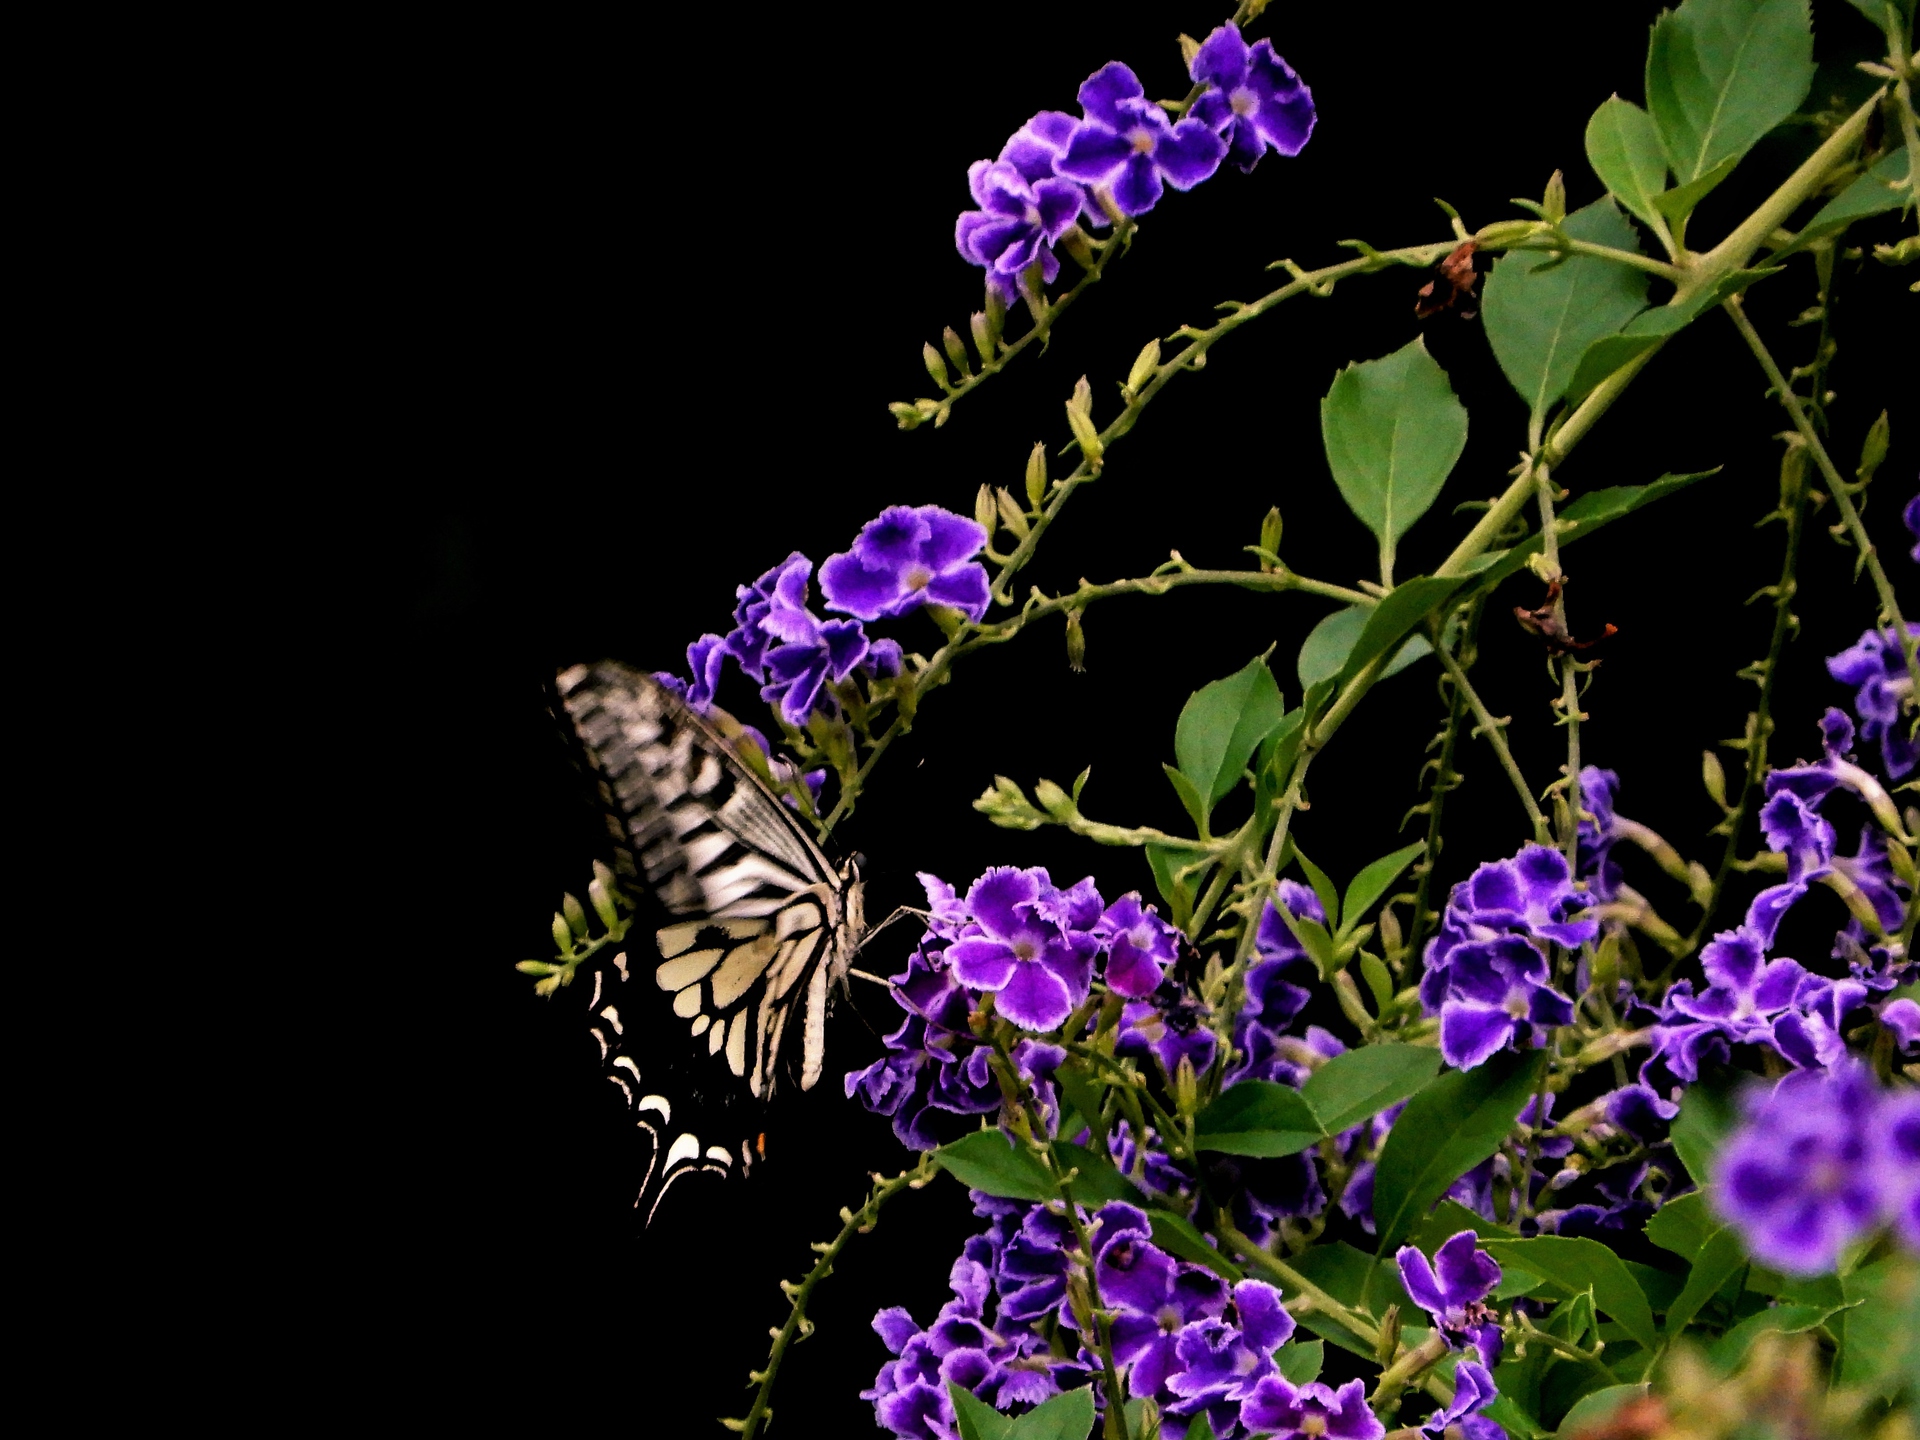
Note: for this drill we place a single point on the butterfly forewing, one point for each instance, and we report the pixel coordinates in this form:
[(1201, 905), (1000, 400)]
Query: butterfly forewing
[(758, 923)]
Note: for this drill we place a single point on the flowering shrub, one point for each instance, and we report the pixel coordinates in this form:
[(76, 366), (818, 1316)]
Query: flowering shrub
[(1261, 1154)]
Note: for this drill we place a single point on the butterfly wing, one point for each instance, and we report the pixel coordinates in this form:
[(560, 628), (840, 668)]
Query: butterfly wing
[(758, 922)]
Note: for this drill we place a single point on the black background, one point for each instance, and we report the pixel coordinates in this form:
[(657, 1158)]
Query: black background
[(651, 291)]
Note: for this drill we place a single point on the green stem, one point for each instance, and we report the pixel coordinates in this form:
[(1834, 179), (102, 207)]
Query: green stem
[(1491, 729), (856, 1222), (1839, 488), (1445, 779), (1291, 1279), (1567, 245)]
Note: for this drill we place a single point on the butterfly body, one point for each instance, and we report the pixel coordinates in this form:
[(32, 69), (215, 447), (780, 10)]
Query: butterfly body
[(759, 927)]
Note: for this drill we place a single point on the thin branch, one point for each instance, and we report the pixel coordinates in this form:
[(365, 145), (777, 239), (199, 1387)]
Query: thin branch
[(1491, 728)]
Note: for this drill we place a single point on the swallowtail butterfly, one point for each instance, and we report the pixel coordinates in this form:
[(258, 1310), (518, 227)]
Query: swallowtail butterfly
[(760, 925)]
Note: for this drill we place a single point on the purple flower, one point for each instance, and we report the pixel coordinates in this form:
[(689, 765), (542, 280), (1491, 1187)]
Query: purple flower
[(1286, 1412), (1035, 150), (1795, 828), (1803, 1177), (1897, 1130), (1639, 1111), (1140, 945), (1016, 224), (1473, 1391), (1599, 835), (1018, 953), (1902, 1019), (1032, 1271), (1156, 1297), (909, 557), (1496, 991), (1170, 1036), (705, 657), (1745, 990), (1256, 100), (1126, 142), (1812, 783), (1531, 894), (1269, 1190), (1876, 666), (1224, 1360), (1454, 1289)]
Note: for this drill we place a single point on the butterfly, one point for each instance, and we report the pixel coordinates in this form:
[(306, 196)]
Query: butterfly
[(760, 926)]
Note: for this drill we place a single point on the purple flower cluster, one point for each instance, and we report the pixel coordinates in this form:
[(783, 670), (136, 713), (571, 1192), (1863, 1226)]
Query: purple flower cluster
[(1453, 1289), (1488, 974), (1122, 153), (1876, 667), (1036, 948), (1180, 1334), (908, 557), (1818, 1162)]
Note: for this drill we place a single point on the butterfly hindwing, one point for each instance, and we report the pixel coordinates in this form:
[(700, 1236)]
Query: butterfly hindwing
[(757, 923)]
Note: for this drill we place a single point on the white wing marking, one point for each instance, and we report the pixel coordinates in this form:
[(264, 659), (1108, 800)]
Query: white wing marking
[(700, 1023), (716, 1037), (625, 1062), (744, 966), (625, 1088), (675, 938), (737, 1044), (816, 1052), (612, 1017), (796, 918), (660, 1105), (687, 1003), (687, 969), (687, 1147), (720, 1153)]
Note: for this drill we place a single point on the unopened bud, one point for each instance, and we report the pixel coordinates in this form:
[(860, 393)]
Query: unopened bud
[(906, 416), (1714, 778), (956, 349), (1078, 247), (1555, 200), (1055, 801), (1037, 474), (602, 902), (1186, 1086), (1389, 1335), (604, 876), (1270, 531), (996, 311), (984, 510), (1144, 364), (1390, 933), (562, 936), (1076, 643), (936, 367), (1087, 437), (1873, 449), (576, 917), (1011, 515), (1503, 233), (1082, 397), (1606, 965), (984, 340)]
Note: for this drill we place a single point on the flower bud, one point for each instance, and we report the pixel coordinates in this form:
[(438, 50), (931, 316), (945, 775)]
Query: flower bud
[(984, 511), (1037, 474), (956, 349), (1186, 1087), (936, 367), (1011, 514), (576, 917), (602, 902), (1077, 246), (1606, 965), (1714, 777), (907, 417), (605, 877), (562, 935), (1503, 233), (1270, 531), (1087, 436), (1055, 801), (1076, 643), (984, 340), (1554, 202), (1144, 364), (1082, 397), (1389, 1335), (1390, 933), (995, 313)]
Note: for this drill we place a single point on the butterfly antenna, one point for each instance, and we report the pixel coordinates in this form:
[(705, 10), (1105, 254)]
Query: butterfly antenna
[(899, 914)]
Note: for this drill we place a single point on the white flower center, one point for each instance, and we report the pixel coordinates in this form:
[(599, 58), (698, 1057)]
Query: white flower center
[(1244, 102), (1024, 949), (1142, 139), (917, 576), (1169, 1318)]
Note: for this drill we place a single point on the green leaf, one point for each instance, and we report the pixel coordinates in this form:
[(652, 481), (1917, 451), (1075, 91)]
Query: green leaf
[(1586, 515), (1450, 1126), (1661, 1287), (1880, 1339), (1400, 613), (1177, 1235), (1379, 979), (1591, 1409), (1222, 725), (1542, 311), (1682, 1225), (1706, 1114), (1314, 938), (1722, 73), (1360, 1084), (987, 1160), (1677, 204), (1085, 1094), (1580, 1264), (1196, 808), (1871, 194), (1515, 1282), (1624, 150), (1393, 430), (1510, 1417), (1258, 1117), (1098, 1180), (1315, 700), (1201, 1428), (978, 1420), (1371, 883), (1719, 1258), (1064, 1417), (1300, 1362), (1324, 653), (1283, 748), (1179, 897), (1323, 887), (1731, 1348)]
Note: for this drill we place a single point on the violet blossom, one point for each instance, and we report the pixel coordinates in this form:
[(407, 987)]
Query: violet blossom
[(1453, 1290), (1597, 837), (1224, 1360), (1256, 101), (910, 556), (1473, 1391), (1014, 950), (1898, 1134), (1155, 1297), (705, 658), (1016, 224), (1289, 1412), (1140, 947), (1804, 1175), (1127, 143), (1877, 667)]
